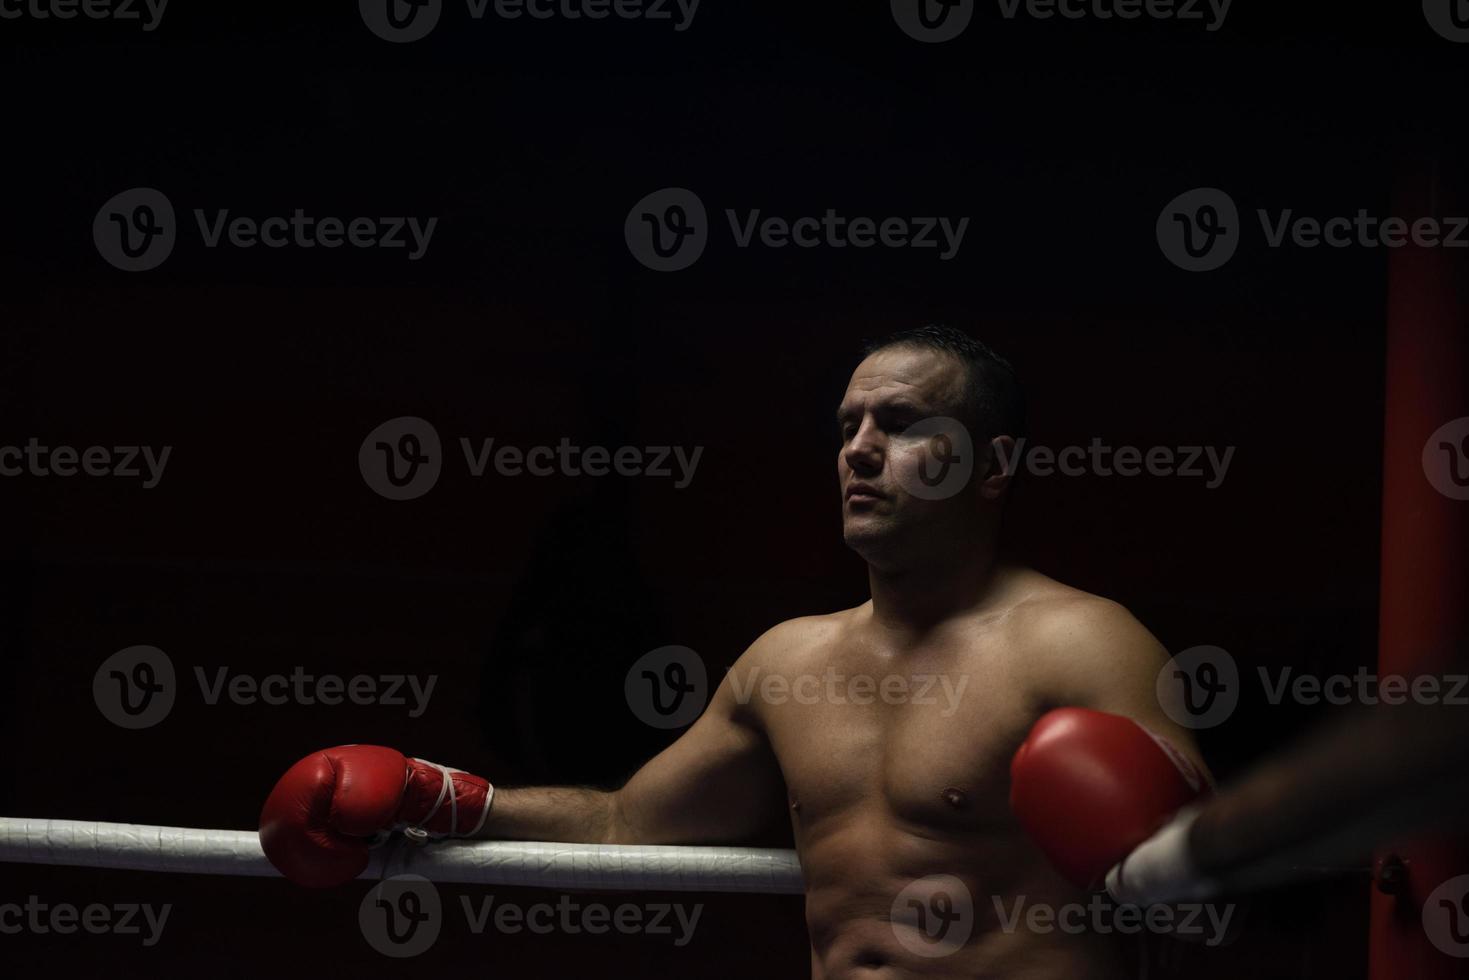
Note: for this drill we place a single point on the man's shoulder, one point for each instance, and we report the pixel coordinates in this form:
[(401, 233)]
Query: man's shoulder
[(803, 634), (1066, 629), (1050, 614)]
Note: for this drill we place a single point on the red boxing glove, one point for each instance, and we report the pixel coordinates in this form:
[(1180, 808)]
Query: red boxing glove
[(319, 821), (1088, 787)]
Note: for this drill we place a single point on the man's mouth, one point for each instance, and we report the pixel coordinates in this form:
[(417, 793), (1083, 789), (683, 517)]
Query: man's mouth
[(859, 493)]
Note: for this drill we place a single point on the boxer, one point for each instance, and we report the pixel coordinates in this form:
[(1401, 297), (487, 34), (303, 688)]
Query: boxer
[(1054, 707)]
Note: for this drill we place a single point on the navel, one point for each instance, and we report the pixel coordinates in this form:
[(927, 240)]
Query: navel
[(956, 798)]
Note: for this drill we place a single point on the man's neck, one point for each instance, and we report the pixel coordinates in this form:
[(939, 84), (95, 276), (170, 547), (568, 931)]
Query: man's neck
[(914, 600)]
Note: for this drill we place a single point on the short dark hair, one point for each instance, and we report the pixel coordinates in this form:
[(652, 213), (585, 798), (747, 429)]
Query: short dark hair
[(993, 403)]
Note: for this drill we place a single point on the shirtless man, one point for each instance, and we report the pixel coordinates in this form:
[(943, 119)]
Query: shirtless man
[(884, 787)]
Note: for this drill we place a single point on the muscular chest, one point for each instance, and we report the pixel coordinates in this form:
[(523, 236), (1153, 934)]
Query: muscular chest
[(928, 739)]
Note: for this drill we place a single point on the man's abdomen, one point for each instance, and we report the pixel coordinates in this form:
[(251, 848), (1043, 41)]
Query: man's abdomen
[(885, 901)]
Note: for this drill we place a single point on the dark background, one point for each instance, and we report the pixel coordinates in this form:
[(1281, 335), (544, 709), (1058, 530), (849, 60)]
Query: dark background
[(529, 320)]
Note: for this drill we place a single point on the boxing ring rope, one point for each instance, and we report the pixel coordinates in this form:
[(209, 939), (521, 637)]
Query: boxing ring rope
[(614, 867)]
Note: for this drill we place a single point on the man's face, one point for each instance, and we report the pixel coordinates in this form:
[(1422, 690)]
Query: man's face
[(882, 462)]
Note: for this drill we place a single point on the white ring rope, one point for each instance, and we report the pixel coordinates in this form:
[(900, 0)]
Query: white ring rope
[(617, 867)]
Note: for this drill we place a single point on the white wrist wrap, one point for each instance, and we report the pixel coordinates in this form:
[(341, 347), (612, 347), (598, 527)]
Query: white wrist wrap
[(1161, 870)]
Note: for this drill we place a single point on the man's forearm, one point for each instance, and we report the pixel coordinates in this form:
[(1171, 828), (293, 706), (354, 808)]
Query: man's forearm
[(556, 813)]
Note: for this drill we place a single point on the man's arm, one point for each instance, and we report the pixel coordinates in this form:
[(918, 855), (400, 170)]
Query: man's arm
[(1095, 654), (718, 783)]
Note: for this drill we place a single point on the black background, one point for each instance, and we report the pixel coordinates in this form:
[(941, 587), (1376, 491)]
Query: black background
[(529, 320)]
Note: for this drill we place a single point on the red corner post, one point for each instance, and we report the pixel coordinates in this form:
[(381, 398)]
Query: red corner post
[(1425, 548)]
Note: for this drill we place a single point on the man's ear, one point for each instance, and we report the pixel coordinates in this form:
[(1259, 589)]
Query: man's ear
[(999, 467)]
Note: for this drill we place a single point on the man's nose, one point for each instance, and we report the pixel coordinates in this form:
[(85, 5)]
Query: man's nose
[(865, 450)]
